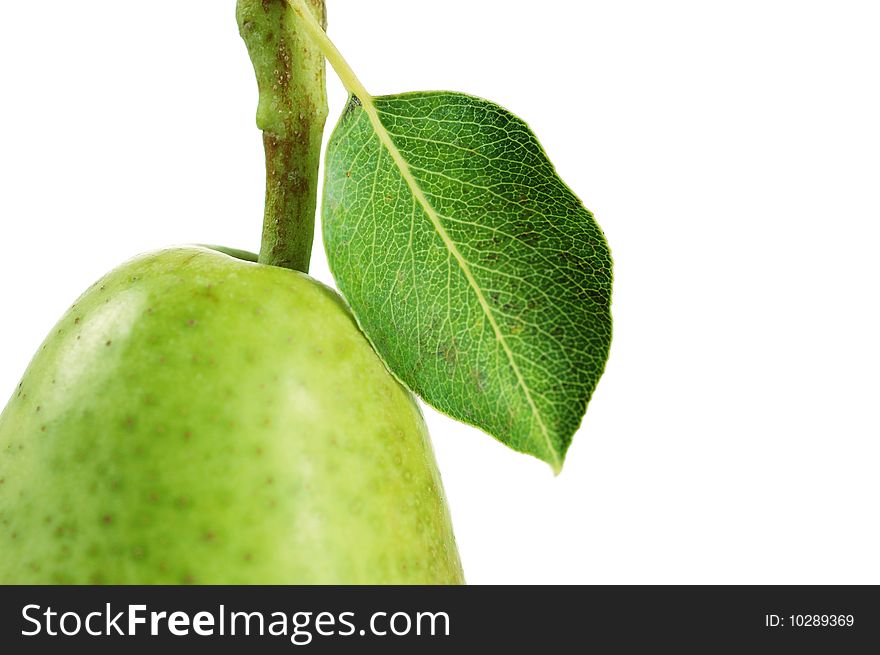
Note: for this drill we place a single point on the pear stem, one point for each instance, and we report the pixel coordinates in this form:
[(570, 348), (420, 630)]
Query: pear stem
[(291, 113)]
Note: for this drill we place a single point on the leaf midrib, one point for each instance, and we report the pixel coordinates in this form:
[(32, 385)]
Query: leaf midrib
[(369, 107)]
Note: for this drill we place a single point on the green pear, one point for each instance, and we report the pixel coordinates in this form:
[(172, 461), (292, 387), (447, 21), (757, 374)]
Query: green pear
[(197, 418)]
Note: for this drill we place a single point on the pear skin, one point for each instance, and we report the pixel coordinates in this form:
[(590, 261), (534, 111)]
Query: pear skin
[(196, 418)]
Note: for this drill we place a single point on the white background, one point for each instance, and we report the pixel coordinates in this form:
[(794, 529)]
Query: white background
[(730, 151)]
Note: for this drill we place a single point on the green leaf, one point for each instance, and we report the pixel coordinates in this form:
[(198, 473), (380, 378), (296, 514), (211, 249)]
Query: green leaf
[(477, 274)]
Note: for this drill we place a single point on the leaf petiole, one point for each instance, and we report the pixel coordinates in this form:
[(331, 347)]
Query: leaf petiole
[(330, 51)]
